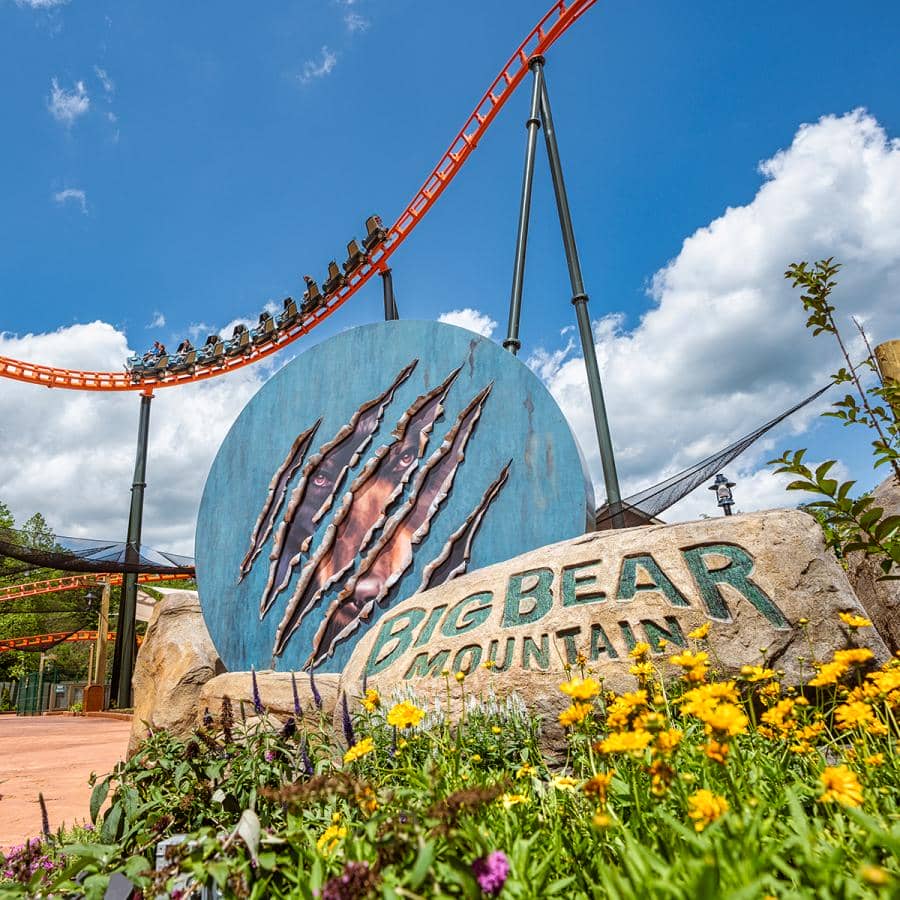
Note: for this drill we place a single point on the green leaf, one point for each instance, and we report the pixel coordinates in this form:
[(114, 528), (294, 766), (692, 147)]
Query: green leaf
[(98, 795), (423, 864)]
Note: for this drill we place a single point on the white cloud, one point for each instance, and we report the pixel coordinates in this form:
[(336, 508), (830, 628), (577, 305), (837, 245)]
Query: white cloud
[(66, 106), (41, 4), (105, 81), (75, 194), (356, 22), (472, 319), (70, 454), (158, 320), (724, 347), (313, 69)]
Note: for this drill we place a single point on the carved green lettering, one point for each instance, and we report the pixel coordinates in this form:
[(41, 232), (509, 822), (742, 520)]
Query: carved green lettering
[(508, 652), (540, 655), (460, 664), (571, 581), (539, 593), (422, 666), (628, 585), (408, 621), (567, 635), (628, 634), (598, 637), (655, 632), (430, 624), (736, 574), (461, 619)]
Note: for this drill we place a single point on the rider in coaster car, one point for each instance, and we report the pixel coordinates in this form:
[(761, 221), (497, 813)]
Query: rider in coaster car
[(185, 346)]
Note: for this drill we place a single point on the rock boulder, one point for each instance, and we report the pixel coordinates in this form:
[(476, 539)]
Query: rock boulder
[(881, 599), (175, 660)]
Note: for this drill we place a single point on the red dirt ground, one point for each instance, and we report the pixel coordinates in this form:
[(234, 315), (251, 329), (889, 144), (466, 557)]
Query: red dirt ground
[(53, 755)]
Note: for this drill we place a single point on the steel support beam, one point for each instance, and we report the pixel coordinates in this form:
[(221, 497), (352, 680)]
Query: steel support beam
[(126, 642), (532, 125), (580, 302), (391, 313)]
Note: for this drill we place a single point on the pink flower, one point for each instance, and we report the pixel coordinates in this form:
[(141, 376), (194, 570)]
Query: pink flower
[(491, 872)]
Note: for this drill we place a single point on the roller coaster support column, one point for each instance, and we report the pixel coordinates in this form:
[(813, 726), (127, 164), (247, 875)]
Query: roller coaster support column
[(391, 313), (512, 342), (126, 643), (580, 302)]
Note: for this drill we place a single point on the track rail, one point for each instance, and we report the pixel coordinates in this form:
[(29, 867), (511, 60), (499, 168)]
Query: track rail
[(558, 19), (73, 582), (38, 641)]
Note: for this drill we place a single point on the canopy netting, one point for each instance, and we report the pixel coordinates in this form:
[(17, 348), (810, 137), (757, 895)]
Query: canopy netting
[(651, 501), (86, 555)]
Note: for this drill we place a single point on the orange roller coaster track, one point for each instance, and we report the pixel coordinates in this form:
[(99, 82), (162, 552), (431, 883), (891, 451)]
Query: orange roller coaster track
[(40, 641), (73, 582), (560, 17)]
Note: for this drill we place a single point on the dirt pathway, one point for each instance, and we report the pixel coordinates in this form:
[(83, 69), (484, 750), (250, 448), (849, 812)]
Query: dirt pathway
[(53, 755)]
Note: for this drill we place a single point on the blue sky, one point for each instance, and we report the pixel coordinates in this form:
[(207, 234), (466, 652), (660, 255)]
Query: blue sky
[(191, 161)]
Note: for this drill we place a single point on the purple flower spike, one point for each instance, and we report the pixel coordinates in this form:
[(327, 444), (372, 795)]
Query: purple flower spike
[(298, 712), (491, 872), (346, 722), (257, 700), (304, 757), (317, 697)]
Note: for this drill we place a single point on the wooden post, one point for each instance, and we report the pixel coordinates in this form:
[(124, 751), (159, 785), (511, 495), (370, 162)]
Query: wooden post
[(102, 631), (888, 357)]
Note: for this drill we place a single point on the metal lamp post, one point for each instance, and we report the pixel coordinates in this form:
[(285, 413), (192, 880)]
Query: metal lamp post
[(722, 486)]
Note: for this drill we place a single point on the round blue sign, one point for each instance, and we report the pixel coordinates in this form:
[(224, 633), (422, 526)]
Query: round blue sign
[(387, 460)]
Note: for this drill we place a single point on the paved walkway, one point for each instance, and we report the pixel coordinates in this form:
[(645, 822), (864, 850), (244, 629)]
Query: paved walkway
[(53, 755)]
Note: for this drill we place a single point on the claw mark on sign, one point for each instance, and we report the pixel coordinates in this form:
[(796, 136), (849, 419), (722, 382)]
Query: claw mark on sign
[(392, 553), (367, 501), (315, 493), (454, 557), (275, 498)]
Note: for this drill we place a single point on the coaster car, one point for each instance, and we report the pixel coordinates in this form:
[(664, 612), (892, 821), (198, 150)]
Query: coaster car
[(213, 351), (184, 362), (356, 256), (239, 343), (336, 279), (312, 297), (375, 233), (265, 330), (289, 313)]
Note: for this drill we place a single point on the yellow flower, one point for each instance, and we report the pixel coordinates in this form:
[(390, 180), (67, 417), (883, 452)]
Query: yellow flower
[(574, 714), (726, 719), (460, 677), (829, 673), (661, 776), (875, 875), (689, 660), (509, 800), (853, 655), (526, 770), (667, 741), (705, 808), (625, 742), (404, 715), (853, 621), (853, 715), (330, 839), (564, 783), (640, 650), (716, 751), (601, 820), (488, 664), (598, 785), (360, 749), (840, 786), (624, 708), (708, 694), (699, 633), (581, 688), (496, 729), (756, 673), (876, 759), (371, 701), (642, 670)]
